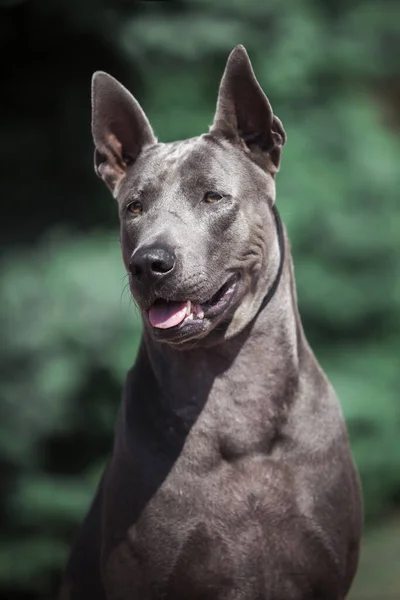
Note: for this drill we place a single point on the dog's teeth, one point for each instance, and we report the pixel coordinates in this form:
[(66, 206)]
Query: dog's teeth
[(188, 307), (198, 311)]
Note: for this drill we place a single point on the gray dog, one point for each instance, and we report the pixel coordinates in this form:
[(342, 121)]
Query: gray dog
[(231, 476)]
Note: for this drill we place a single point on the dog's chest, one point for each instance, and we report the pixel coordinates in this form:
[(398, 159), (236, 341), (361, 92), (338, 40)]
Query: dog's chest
[(214, 495), (194, 530)]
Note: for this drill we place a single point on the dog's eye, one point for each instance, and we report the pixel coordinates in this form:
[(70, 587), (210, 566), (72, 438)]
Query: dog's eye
[(211, 197), (135, 207)]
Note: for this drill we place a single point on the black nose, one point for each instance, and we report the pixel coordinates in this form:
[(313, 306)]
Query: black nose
[(154, 262)]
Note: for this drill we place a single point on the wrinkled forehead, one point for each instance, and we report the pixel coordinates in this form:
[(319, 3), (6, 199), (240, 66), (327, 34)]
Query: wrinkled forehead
[(200, 163)]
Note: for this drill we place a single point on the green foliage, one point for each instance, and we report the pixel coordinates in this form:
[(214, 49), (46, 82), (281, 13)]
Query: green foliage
[(378, 575), (69, 331)]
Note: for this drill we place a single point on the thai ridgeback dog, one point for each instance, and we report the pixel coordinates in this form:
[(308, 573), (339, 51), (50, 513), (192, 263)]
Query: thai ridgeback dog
[(231, 476)]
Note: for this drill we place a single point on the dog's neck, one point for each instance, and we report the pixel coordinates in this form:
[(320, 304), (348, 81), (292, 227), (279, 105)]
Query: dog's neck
[(262, 357)]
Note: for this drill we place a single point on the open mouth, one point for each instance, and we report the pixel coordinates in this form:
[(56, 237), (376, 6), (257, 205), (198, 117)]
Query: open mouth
[(164, 314)]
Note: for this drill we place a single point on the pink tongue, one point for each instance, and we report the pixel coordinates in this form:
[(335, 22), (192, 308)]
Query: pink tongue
[(167, 315)]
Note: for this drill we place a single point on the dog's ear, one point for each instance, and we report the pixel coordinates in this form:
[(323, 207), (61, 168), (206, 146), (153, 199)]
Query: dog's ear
[(244, 114), (119, 126)]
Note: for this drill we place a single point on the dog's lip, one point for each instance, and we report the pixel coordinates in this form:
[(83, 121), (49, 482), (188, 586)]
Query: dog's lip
[(202, 313), (220, 299), (208, 305)]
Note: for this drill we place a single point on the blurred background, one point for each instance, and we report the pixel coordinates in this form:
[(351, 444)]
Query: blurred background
[(68, 329)]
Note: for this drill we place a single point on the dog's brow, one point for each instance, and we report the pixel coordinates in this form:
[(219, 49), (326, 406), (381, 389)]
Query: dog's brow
[(199, 182)]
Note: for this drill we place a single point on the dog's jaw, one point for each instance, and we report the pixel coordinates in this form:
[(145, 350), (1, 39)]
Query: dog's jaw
[(187, 321)]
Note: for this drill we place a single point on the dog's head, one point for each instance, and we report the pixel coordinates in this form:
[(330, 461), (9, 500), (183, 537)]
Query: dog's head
[(198, 235)]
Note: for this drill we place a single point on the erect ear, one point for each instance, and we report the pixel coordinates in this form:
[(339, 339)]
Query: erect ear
[(119, 126), (244, 114)]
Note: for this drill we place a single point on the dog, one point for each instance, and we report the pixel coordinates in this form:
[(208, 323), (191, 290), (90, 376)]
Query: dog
[(231, 476)]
